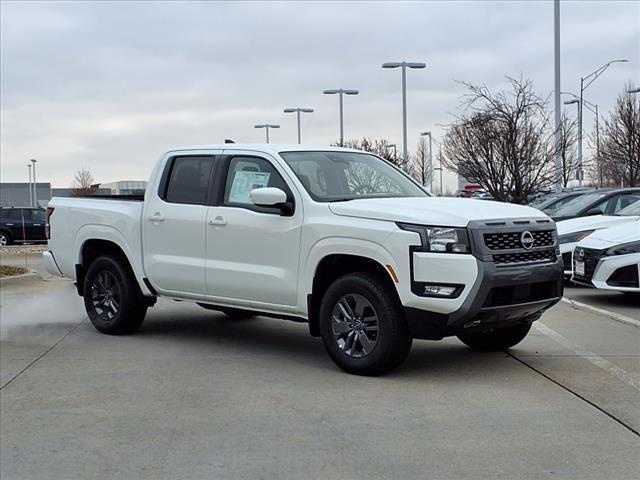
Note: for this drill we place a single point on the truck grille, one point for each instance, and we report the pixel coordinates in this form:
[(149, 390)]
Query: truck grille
[(547, 255), (511, 240)]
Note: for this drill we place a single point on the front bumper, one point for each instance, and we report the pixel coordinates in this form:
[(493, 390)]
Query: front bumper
[(501, 296)]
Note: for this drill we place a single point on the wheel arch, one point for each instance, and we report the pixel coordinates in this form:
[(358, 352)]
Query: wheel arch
[(94, 247), (333, 266)]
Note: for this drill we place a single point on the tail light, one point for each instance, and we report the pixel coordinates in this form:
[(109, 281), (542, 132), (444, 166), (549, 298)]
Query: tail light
[(47, 227)]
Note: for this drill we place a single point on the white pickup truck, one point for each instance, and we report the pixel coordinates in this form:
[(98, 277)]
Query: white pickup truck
[(335, 237)]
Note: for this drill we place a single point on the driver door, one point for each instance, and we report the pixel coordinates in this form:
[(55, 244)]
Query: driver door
[(252, 252)]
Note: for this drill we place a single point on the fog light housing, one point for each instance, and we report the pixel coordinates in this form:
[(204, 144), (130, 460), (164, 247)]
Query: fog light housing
[(444, 290)]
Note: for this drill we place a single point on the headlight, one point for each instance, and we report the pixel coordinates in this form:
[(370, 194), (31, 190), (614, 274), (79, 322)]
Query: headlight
[(631, 247), (440, 239), (574, 237)]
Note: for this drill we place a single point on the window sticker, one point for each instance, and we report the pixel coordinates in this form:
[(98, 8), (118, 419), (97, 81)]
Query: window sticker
[(244, 182)]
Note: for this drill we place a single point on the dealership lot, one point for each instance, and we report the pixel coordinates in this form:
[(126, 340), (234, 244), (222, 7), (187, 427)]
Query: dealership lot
[(196, 395)]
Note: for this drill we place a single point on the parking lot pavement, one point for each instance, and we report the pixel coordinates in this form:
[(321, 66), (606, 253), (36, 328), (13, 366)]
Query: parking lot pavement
[(195, 395), (626, 305)]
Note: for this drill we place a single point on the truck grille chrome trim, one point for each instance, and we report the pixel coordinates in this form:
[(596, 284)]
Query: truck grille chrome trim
[(513, 240)]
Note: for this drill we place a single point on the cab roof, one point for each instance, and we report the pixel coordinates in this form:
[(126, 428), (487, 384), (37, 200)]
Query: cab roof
[(265, 147)]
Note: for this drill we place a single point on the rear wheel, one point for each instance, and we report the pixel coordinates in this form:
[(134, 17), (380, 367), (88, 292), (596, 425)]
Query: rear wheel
[(5, 239), (499, 339), (363, 326), (112, 297)]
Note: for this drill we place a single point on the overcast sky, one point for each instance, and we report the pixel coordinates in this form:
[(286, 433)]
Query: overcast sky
[(110, 86)]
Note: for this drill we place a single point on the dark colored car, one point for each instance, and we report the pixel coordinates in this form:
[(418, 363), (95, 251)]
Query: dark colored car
[(550, 204), (600, 202), (22, 224)]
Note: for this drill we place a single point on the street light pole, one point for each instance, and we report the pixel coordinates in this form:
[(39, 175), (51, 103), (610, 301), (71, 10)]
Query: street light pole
[(266, 126), (30, 187), (404, 65), (340, 92), (35, 184), (556, 66), (589, 79), (594, 109), (297, 111)]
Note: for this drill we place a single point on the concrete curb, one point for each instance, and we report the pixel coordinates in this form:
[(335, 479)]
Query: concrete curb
[(23, 279)]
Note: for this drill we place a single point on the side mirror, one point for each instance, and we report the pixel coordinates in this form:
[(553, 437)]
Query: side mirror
[(267, 196), (271, 197), (594, 211)]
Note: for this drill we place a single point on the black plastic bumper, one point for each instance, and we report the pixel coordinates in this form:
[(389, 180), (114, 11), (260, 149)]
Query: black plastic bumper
[(500, 297)]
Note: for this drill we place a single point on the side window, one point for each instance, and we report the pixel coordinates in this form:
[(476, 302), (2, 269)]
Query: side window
[(188, 180), (624, 200), (16, 214), (38, 215), (247, 173)]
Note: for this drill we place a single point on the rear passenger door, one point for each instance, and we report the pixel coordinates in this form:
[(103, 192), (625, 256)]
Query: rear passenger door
[(174, 222)]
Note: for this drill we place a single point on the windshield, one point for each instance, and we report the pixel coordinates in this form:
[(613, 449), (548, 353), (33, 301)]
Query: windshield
[(575, 206), (633, 209), (339, 176)]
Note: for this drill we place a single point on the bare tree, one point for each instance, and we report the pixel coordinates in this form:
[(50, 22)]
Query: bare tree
[(379, 147), (502, 141), (420, 166), (82, 185), (567, 150), (620, 142)]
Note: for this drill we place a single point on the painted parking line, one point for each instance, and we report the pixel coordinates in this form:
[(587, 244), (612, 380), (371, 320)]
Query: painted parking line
[(608, 313), (598, 361)]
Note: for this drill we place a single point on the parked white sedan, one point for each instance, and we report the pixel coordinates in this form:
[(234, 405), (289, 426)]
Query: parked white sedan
[(570, 232), (609, 259)]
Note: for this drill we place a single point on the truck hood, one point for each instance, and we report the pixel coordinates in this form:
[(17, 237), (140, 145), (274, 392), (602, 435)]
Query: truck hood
[(453, 212)]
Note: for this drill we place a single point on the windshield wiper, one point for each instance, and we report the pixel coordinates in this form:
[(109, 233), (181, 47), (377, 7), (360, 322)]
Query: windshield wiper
[(346, 199)]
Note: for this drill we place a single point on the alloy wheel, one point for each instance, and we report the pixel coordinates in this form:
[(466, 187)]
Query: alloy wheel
[(105, 295), (354, 324)]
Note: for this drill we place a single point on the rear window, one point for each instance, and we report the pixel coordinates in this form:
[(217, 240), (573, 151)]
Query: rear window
[(189, 180)]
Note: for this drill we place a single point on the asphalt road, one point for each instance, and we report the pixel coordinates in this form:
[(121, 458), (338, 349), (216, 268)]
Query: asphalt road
[(195, 395)]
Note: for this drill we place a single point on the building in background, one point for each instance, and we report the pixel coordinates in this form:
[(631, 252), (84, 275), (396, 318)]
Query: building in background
[(16, 194), (126, 187)]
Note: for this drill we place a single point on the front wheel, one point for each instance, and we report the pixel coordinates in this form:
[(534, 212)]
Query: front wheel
[(112, 297), (499, 339), (362, 325)]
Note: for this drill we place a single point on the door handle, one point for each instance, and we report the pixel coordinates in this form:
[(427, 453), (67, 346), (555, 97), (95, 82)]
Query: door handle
[(156, 217), (218, 221)]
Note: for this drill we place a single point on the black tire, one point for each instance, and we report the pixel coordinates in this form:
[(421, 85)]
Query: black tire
[(112, 297), (235, 313), (499, 339), (391, 340), (5, 238)]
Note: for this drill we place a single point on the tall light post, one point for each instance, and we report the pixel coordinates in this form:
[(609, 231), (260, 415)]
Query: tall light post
[(340, 92), (594, 109), (404, 66), (584, 84), (35, 184), (556, 91), (297, 111), (30, 187), (266, 126), (423, 134)]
